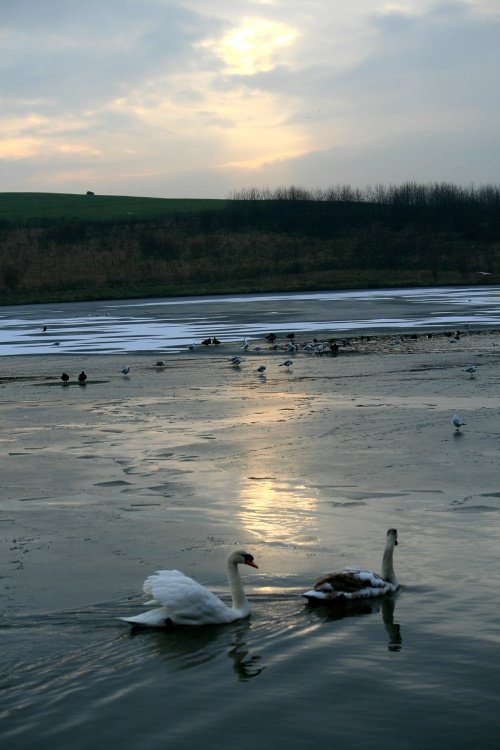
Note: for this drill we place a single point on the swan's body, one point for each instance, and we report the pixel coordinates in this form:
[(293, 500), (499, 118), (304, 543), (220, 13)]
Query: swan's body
[(354, 583), (183, 601)]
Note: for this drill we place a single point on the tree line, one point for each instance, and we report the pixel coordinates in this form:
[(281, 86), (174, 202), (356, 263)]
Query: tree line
[(435, 194)]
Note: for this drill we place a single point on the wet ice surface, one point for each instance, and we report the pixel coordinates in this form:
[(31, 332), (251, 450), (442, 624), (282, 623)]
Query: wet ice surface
[(169, 325), (104, 483)]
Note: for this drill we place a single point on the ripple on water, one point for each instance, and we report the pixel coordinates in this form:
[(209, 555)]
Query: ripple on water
[(289, 676)]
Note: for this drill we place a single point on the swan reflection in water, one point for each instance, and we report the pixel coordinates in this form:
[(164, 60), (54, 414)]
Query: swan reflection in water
[(386, 605), (185, 647)]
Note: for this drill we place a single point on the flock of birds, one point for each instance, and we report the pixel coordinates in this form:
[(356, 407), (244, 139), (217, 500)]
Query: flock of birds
[(315, 346), (177, 599)]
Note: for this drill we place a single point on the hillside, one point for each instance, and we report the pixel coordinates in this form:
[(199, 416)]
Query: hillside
[(40, 208), (56, 247)]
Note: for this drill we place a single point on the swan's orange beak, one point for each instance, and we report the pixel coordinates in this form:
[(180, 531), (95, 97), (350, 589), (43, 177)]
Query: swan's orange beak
[(251, 563)]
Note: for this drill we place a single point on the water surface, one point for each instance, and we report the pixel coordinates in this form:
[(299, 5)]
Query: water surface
[(418, 669), (102, 484)]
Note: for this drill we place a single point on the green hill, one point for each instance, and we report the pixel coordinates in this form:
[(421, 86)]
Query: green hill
[(31, 208)]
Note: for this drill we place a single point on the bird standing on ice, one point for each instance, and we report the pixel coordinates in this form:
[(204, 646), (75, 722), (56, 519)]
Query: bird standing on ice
[(457, 421), (353, 583), (125, 370), (180, 600), (470, 369), (261, 369), (287, 363)]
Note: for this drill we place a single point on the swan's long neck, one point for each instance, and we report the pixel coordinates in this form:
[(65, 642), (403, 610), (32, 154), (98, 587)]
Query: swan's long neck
[(236, 586), (388, 573)]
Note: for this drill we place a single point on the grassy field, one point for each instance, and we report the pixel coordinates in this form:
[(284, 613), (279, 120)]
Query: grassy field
[(30, 207)]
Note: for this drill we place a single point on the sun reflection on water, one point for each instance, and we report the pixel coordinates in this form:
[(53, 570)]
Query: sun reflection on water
[(280, 512)]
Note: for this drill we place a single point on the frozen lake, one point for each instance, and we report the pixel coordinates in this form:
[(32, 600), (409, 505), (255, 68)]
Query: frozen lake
[(168, 325)]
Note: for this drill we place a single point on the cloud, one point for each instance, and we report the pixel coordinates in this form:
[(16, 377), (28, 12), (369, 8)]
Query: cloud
[(251, 46), (156, 96)]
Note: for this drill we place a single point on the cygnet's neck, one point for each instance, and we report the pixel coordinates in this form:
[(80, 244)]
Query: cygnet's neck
[(236, 586), (387, 563)]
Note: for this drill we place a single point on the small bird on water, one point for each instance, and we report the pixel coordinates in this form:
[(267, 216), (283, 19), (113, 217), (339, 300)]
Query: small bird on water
[(65, 377), (287, 363), (125, 370), (82, 378), (261, 369), (471, 369)]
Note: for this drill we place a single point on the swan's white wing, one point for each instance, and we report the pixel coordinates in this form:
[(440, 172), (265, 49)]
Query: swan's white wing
[(154, 618), (185, 601)]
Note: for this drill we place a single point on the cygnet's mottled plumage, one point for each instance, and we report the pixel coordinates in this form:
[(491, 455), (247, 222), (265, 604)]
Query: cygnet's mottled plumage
[(354, 583)]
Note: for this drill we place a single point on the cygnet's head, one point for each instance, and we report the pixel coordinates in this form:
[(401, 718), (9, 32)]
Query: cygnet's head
[(392, 534)]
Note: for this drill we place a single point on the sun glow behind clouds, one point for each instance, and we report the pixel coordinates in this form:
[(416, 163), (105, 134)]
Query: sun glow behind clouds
[(253, 46), (254, 123)]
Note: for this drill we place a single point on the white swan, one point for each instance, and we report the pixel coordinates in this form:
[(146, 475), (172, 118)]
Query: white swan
[(353, 583), (183, 601)]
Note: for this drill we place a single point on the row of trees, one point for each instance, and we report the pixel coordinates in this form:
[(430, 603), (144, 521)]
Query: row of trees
[(435, 194)]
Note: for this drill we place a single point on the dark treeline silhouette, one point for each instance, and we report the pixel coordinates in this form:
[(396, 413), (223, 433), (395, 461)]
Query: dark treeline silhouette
[(430, 195), (263, 240), (474, 210)]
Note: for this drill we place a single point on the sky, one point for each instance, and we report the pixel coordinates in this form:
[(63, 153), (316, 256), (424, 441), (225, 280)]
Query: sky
[(203, 98)]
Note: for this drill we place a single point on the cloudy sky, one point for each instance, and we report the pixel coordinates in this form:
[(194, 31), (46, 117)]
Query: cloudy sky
[(198, 98)]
